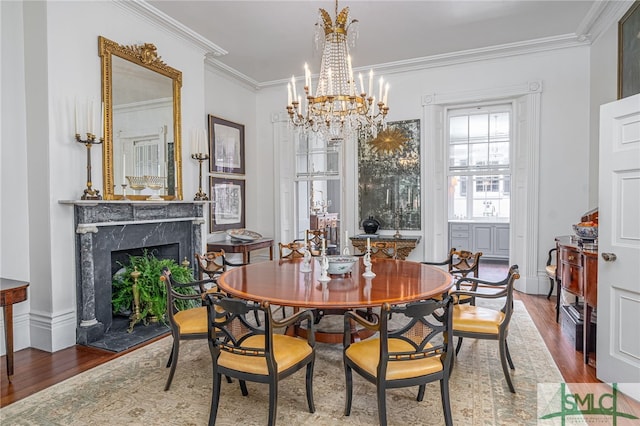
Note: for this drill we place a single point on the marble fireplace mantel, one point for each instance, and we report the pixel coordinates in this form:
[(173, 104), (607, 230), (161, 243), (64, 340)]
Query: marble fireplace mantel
[(104, 227)]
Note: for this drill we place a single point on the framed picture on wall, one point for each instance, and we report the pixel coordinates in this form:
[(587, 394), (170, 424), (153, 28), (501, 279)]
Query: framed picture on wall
[(226, 146), (227, 209), (629, 52)]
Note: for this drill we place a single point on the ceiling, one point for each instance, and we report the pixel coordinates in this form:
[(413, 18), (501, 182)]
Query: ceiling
[(268, 41)]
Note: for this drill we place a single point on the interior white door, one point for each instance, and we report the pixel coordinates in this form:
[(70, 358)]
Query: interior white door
[(618, 343)]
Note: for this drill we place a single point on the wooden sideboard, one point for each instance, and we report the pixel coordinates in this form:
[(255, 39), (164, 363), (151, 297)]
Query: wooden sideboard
[(404, 244), (577, 273)]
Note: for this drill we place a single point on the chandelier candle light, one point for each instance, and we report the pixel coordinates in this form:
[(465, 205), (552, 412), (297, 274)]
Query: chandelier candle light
[(198, 153), (92, 139), (339, 106)]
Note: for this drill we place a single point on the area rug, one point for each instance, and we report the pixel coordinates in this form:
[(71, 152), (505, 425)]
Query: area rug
[(129, 390)]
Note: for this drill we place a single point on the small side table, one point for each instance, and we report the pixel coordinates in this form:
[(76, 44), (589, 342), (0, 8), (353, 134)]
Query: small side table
[(11, 291), (244, 247), (404, 244)]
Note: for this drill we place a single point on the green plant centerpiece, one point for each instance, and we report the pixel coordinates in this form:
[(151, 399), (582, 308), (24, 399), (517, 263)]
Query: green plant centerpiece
[(140, 279)]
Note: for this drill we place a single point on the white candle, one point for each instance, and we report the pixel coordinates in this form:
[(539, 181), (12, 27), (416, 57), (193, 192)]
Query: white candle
[(370, 83), (387, 195), (293, 84), (361, 83), (368, 243), (323, 245), (346, 237), (75, 116), (380, 90), (89, 105)]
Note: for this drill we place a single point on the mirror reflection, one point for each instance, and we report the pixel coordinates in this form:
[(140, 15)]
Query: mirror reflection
[(142, 132)]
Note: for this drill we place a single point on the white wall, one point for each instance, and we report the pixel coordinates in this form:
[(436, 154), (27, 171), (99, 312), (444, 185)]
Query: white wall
[(14, 228)]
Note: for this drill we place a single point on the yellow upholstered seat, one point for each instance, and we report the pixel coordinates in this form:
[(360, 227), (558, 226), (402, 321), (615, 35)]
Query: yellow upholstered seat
[(483, 323), (287, 351), (367, 354), (245, 351), (477, 319), (416, 353), (192, 321)]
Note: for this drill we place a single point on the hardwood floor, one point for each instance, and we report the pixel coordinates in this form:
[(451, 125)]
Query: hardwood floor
[(36, 370)]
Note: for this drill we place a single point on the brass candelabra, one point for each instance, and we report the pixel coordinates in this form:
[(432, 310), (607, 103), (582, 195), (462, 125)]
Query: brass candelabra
[(200, 157), (89, 192)]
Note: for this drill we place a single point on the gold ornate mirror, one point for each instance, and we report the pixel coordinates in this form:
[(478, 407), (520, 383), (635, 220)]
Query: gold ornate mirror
[(142, 137)]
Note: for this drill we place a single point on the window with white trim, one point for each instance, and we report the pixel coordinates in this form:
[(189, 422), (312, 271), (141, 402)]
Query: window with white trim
[(479, 168)]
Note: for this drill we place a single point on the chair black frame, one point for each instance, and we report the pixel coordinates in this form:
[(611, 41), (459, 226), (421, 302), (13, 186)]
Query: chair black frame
[(553, 280), (436, 316), (505, 288), (172, 310), (228, 329), (454, 268)]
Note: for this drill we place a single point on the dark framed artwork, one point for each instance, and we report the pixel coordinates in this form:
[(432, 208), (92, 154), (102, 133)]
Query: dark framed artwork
[(226, 146), (629, 52), (389, 176), (227, 207)]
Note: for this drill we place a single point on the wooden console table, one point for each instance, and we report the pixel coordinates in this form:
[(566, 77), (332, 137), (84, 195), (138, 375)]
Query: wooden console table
[(11, 291), (404, 244), (578, 274), (244, 247)]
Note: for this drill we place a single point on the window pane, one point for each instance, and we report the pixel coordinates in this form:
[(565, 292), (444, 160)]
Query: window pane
[(478, 126), (458, 197), (499, 126), (478, 154), (499, 153), (458, 128), (458, 155)]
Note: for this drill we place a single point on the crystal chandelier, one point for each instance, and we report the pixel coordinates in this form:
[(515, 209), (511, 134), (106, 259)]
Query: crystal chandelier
[(339, 106)]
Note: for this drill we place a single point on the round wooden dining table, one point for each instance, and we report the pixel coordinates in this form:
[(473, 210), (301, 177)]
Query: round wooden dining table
[(283, 282)]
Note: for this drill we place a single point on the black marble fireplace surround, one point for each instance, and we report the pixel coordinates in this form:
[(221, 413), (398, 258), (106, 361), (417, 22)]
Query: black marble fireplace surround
[(106, 227)]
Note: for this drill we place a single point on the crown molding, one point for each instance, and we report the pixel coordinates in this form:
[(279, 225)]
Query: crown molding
[(467, 56), (161, 19), (213, 64), (601, 16)]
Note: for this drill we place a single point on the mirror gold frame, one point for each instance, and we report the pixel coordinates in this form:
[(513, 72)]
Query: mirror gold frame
[(146, 56)]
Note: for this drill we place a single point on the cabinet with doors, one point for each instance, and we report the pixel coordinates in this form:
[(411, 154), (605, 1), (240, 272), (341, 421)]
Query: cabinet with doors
[(491, 238)]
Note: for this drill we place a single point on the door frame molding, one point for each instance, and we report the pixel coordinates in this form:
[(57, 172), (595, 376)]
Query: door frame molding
[(523, 236)]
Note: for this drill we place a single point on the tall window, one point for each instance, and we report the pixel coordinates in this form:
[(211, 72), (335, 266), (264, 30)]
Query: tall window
[(318, 184), (479, 165)]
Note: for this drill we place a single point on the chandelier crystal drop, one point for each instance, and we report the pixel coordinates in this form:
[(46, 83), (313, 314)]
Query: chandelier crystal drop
[(340, 105)]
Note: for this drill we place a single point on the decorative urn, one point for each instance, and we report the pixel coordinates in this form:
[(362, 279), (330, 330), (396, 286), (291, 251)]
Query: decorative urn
[(370, 225)]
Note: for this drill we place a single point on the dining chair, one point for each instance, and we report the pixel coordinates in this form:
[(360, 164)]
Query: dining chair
[(213, 264), (480, 322), (314, 238), (292, 250), (551, 269), (242, 350), (186, 314), (460, 262), (414, 351)]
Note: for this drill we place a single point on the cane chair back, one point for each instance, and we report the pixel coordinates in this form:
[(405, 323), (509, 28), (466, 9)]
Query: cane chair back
[(480, 322), (314, 238), (247, 352), (416, 350), (292, 250)]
